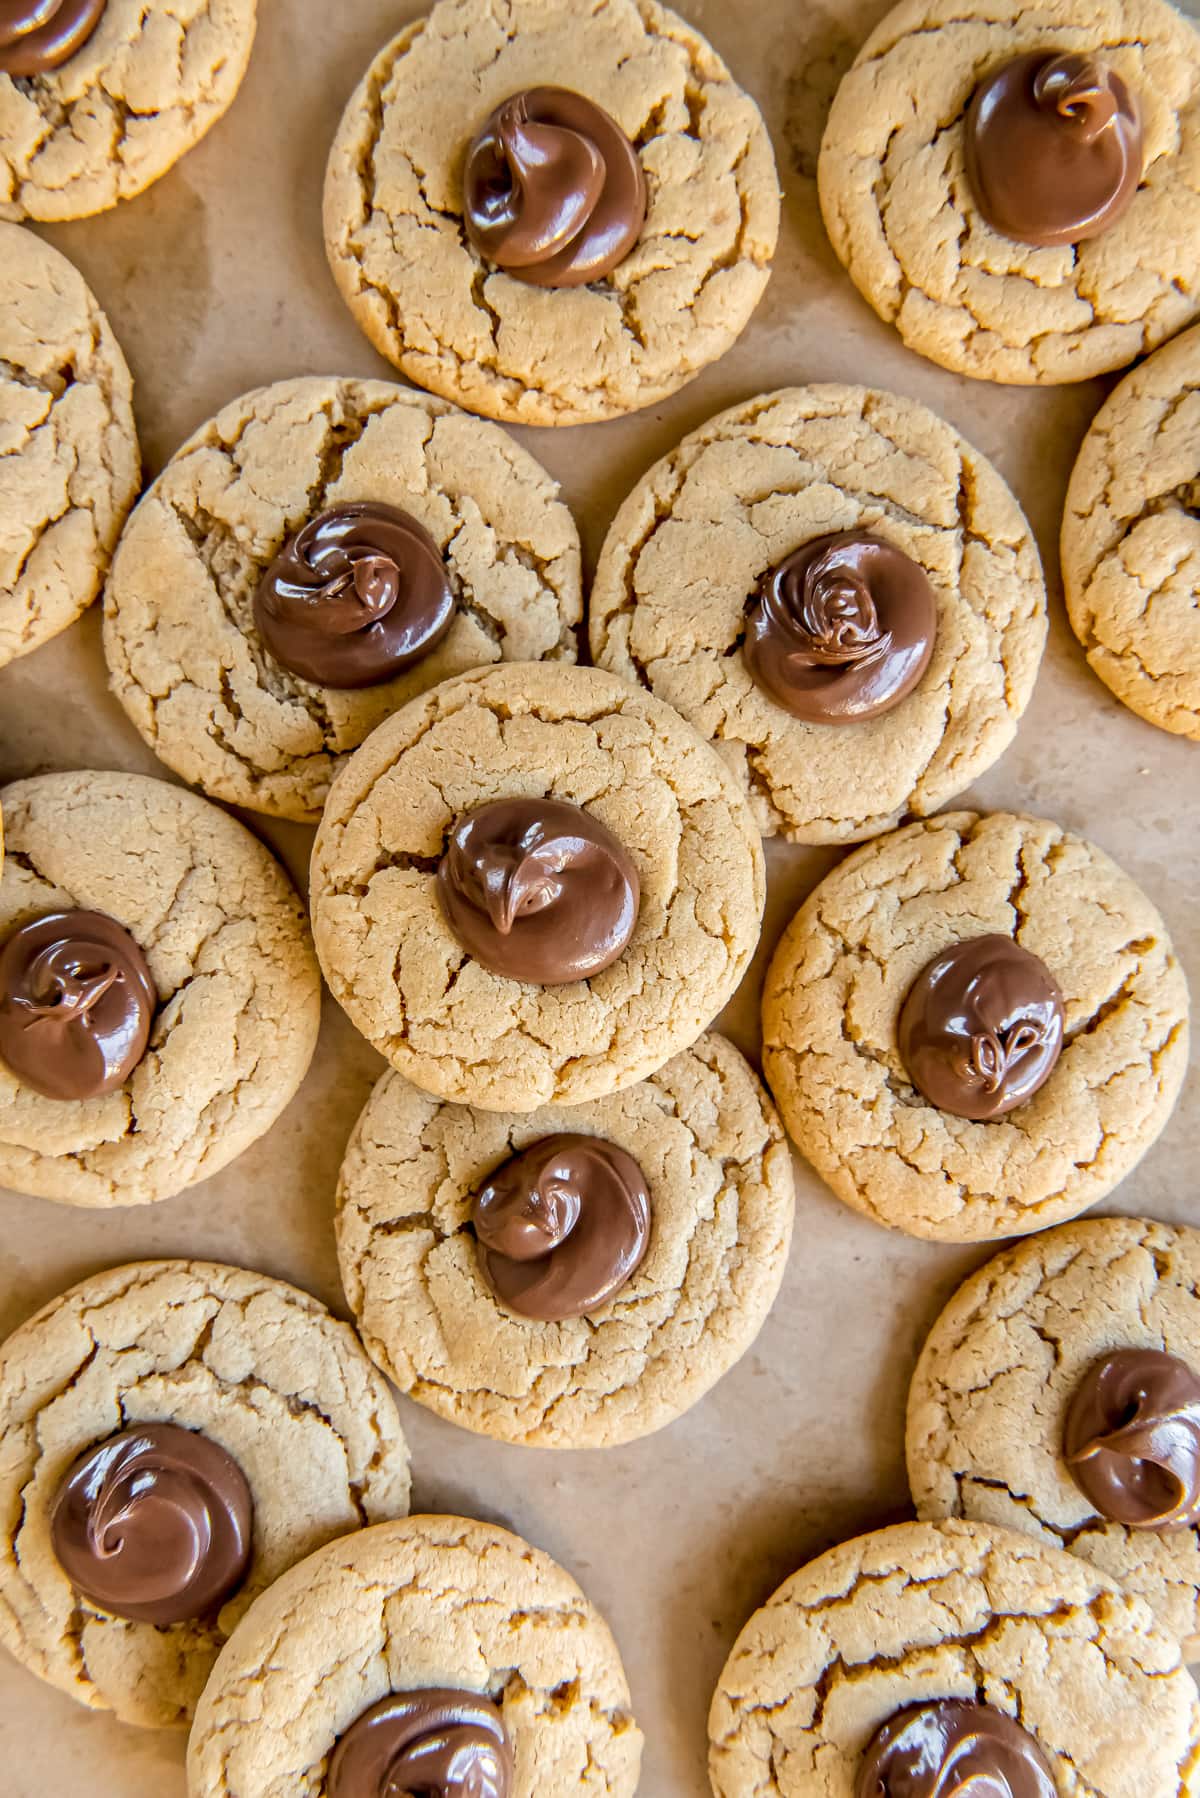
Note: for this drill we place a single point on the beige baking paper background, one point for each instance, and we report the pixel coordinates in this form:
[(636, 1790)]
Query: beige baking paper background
[(216, 281)]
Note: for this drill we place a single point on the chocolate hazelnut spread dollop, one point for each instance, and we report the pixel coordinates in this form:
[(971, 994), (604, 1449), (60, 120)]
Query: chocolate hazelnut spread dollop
[(842, 629), (355, 597), (1132, 1439), (77, 1002), (1053, 147), (981, 1028), (539, 890), (553, 189), (954, 1748), (39, 35), (155, 1525), (435, 1743), (563, 1226)]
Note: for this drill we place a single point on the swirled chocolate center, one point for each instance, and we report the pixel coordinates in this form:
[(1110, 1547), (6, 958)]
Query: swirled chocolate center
[(981, 1028), (436, 1743), (1132, 1439), (77, 1002), (357, 596), (154, 1525), (1053, 147), (842, 629), (563, 1226), (954, 1748), (553, 189), (539, 890), (39, 35)]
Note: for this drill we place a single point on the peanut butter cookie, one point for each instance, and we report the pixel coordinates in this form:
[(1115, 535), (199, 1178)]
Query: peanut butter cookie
[(173, 1436), (1007, 1102)]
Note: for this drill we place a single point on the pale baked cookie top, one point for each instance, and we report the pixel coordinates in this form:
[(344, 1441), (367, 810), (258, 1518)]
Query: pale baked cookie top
[(258, 1367), (990, 1394), (228, 947), (841, 973), (432, 1601), (150, 81), (186, 658), (576, 734), (720, 1180), (394, 203), (902, 218), (1131, 539), (689, 546), (69, 460), (923, 1611)]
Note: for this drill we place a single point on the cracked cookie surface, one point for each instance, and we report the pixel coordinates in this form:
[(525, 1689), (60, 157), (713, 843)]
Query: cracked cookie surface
[(991, 1391), (260, 1368), (834, 992), (185, 656), (923, 1611), (69, 460), (433, 1601), (447, 1023), (228, 946), (154, 77), (452, 322), (900, 214), (689, 546), (721, 1195), (1131, 540)]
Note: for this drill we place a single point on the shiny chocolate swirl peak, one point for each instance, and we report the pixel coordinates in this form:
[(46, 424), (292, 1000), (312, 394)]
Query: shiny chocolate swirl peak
[(154, 1525), (436, 1743), (981, 1028), (554, 191), (39, 35), (841, 630), (1053, 147), (77, 1002), (563, 1226), (355, 597), (538, 890), (1132, 1439), (954, 1748)]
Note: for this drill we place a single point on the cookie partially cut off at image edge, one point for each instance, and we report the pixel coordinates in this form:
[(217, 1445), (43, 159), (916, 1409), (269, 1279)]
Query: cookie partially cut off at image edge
[(417, 286), (430, 1601), (1131, 540), (228, 946), (261, 1369), (186, 655), (719, 1176), (990, 1396), (902, 218), (146, 86), (926, 1611), (544, 730), (690, 546), (834, 991)]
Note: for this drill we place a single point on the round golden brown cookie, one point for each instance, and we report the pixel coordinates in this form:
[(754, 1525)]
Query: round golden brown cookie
[(448, 1023), (690, 546), (432, 1601), (904, 220), (230, 955), (1131, 540), (845, 965), (147, 85), (991, 1394), (923, 1611), (719, 1177), (186, 656), (261, 1370), (70, 465), (398, 247)]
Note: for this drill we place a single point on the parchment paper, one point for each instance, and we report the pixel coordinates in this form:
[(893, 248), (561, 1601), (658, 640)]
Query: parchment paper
[(216, 281)]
